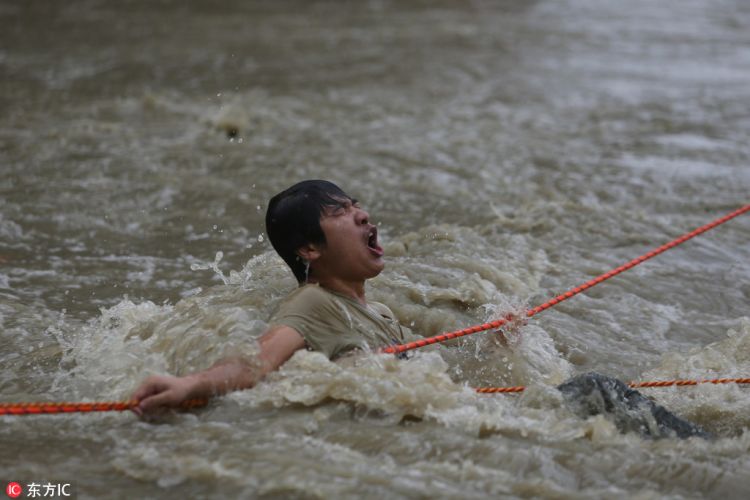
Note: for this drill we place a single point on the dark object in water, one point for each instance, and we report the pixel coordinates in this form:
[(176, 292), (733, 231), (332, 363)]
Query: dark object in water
[(593, 394)]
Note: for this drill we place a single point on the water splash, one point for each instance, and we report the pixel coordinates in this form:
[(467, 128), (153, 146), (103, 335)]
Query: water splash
[(214, 266)]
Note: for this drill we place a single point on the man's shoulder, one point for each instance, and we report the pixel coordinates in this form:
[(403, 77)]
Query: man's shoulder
[(308, 296)]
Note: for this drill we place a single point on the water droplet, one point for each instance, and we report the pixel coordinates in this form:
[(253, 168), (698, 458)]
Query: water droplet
[(215, 226)]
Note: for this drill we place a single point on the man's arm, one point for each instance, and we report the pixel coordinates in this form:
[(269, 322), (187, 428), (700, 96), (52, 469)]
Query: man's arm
[(276, 346)]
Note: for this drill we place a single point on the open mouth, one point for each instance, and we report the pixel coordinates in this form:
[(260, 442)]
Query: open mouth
[(372, 242)]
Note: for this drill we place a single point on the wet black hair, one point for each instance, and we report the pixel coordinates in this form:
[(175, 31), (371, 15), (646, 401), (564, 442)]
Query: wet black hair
[(293, 219)]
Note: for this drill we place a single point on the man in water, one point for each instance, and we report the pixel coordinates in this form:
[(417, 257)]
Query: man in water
[(330, 245)]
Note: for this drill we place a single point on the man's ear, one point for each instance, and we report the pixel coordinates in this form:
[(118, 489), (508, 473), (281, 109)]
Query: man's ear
[(309, 252)]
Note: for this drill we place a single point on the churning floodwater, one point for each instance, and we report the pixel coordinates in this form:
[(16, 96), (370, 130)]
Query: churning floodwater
[(508, 151)]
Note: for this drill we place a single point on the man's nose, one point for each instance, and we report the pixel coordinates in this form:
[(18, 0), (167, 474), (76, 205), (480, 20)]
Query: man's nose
[(361, 216)]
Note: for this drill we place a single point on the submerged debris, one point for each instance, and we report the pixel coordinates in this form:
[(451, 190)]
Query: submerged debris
[(593, 394)]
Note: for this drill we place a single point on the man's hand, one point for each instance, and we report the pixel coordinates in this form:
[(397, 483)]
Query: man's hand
[(510, 330), (161, 391)]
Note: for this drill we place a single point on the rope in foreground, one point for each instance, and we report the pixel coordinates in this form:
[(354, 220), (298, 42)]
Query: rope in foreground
[(633, 385), (48, 408), (395, 349), (44, 408)]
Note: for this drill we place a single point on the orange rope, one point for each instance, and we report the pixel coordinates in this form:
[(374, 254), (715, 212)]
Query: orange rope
[(395, 349), (658, 383), (51, 407), (680, 383)]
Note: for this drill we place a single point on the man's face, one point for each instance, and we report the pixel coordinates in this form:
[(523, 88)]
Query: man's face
[(351, 251)]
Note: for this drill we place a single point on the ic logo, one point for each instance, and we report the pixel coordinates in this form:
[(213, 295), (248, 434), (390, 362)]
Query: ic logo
[(13, 490)]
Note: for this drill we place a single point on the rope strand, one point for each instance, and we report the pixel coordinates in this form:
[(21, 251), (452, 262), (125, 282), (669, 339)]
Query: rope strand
[(40, 408), (46, 408), (634, 385), (396, 349)]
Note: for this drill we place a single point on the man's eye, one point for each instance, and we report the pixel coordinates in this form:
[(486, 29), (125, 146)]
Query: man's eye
[(344, 206)]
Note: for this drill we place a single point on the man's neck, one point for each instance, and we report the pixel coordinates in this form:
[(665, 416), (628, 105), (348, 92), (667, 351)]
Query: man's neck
[(352, 289)]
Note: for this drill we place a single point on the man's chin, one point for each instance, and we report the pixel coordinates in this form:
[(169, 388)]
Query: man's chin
[(378, 269)]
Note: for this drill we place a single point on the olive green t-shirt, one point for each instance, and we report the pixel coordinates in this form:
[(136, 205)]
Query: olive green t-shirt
[(335, 324)]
